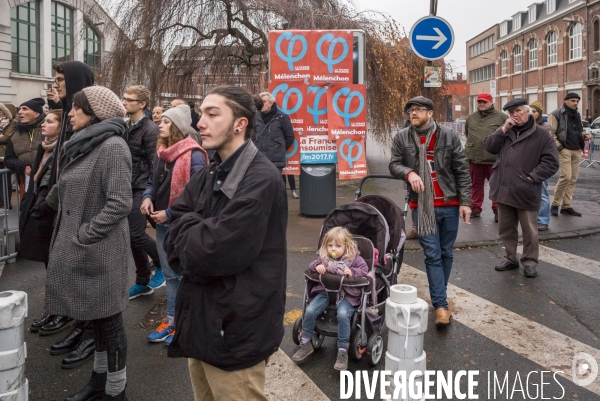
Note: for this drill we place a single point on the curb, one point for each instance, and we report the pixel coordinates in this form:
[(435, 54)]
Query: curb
[(413, 245)]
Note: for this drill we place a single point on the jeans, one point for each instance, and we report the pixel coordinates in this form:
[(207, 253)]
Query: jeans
[(544, 212), (344, 314), (142, 245), (109, 336), (173, 280), (438, 252)]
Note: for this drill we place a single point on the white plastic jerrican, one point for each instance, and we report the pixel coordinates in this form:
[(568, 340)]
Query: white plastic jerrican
[(406, 319), (13, 350)]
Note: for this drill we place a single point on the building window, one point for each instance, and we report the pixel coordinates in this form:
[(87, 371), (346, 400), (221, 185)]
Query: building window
[(594, 74), (551, 46), (517, 59), (25, 38), (62, 33), (532, 54), (206, 69), (504, 28), (504, 61), (236, 70), (91, 49), (483, 46), (550, 6), (575, 41), (482, 74), (596, 35), (516, 22), (532, 14)]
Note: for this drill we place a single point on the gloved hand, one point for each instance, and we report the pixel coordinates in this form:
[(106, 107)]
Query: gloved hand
[(42, 211)]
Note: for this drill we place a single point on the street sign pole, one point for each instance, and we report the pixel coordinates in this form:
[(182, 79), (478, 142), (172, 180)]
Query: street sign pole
[(432, 11)]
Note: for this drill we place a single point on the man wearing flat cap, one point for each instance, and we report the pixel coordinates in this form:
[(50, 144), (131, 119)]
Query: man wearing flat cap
[(526, 157), (565, 125), (431, 159), (479, 126), (21, 150)]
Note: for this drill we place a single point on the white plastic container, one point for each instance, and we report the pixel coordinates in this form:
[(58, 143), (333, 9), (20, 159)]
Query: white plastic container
[(13, 350), (406, 318)]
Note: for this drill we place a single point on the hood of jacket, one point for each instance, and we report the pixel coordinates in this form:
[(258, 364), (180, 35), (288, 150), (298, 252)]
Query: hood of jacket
[(78, 75)]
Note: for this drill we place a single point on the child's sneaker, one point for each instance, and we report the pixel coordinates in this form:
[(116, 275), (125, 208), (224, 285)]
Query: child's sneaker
[(303, 350), (341, 362), (169, 338), (138, 290), (162, 332), (158, 280)]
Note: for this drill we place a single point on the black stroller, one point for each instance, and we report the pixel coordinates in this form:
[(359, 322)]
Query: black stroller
[(377, 225)]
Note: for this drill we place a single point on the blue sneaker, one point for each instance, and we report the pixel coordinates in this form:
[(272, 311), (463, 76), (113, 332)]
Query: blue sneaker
[(162, 332), (170, 337), (158, 280), (138, 290)]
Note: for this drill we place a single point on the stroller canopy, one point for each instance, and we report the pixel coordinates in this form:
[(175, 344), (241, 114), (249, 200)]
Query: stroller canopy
[(393, 216), (360, 219)]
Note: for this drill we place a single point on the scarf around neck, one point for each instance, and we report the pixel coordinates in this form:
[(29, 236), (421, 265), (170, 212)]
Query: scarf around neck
[(87, 139), (181, 154), (426, 224), (28, 127)]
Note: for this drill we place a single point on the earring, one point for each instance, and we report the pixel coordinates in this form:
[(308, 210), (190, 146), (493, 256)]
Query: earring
[(237, 130)]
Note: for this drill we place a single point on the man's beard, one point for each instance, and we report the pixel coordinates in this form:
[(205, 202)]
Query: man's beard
[(228, 138)]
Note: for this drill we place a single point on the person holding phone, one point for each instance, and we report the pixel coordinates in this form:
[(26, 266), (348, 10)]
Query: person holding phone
[(431, 159), (526, 157)]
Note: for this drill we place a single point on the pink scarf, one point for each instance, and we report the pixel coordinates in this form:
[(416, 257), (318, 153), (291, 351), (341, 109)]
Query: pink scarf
[(181, 154)]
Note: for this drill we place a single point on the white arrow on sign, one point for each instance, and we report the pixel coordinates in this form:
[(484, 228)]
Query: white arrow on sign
[(441, 38)]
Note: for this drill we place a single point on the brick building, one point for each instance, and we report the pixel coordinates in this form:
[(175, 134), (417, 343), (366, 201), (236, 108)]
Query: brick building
[(541, 53), (456, 98), (481, 64)]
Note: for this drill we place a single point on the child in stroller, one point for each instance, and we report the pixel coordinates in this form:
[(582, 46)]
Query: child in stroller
[(338, 255)]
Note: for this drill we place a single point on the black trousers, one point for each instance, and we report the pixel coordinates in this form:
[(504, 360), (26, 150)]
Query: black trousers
[(292, 180), (109, 336), (142, 245)]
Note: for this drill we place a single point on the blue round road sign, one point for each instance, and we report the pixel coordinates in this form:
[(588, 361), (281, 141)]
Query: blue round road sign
[(431, 38)]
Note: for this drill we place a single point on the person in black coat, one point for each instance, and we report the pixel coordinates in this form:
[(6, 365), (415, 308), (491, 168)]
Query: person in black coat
[(227, 238), (35, 229)]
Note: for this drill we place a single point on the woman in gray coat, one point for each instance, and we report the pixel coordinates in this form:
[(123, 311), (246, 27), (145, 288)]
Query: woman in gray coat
[(89, 252)]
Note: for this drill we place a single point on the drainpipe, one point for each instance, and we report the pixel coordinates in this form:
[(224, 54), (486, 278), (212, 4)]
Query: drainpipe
[(523, 95), (587, 59)]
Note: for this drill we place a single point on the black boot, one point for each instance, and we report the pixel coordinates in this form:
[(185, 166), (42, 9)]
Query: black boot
[(120, 397), (84, 351), (93, 390), (38, 324), (59, 323), (68, 343)]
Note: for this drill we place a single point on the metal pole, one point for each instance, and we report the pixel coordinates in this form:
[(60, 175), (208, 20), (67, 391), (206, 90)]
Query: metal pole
[(432, 11)]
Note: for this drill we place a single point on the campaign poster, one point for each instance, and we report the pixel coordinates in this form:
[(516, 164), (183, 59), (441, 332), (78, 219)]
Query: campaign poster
[(347, 110), (290, 98), (331, 57), (289, 55), (352, 160), (317, 149), (316, 110)]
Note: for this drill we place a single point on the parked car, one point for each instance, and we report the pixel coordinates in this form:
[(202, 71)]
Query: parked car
[(595, 128), (586, 126)]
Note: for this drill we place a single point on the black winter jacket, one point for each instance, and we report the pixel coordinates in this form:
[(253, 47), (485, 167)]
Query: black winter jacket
[(533, 154), (451, 164), (230, 247), (274, 137), (141, 139)]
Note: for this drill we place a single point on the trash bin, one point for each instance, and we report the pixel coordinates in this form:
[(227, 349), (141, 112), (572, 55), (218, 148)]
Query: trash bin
[(13, 349), (317, 189)]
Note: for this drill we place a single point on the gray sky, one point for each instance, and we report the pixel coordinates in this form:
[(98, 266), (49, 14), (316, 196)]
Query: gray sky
[(468, 18)]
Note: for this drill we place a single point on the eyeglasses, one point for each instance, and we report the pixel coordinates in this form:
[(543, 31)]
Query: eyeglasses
[(128, 100), (416, 110), (59, 80)]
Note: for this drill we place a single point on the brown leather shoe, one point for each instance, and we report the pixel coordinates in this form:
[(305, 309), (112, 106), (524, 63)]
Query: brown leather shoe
[(442, 317)]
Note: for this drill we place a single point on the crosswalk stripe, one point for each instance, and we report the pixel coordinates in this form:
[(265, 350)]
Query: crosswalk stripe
[(569, 261), (286, 381), (546, 347)]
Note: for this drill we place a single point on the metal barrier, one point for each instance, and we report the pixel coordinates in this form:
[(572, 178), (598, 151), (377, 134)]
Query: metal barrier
[(593, 154), (9, 221)]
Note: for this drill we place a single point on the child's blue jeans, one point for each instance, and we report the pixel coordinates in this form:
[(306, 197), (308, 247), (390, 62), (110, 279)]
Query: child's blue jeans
[(344, 314)]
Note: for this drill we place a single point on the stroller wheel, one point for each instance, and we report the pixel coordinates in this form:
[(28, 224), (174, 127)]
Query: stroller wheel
[(358, 345), (297, 331), (374, 349), (317, 340)]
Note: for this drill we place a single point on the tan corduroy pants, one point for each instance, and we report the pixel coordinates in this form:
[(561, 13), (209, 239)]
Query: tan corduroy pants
[(213, 384), (569, 171)]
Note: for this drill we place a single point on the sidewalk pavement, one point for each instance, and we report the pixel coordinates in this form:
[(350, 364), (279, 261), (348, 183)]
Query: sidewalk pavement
[(303, 232)]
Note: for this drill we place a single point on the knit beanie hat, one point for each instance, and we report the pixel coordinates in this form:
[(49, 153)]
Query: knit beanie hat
[(538, 106), (572, 95), (181, 116), (36, 104), (104, 102)]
